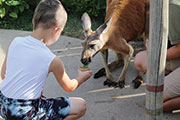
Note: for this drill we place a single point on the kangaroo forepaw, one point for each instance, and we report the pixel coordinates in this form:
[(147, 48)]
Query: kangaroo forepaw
[(137, 83), (100, 73)]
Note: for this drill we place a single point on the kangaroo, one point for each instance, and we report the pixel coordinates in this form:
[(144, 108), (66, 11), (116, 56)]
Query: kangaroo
[(125, 21)]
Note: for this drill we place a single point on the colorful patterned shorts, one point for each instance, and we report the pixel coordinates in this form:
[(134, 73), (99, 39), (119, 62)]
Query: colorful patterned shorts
[(37, 109)]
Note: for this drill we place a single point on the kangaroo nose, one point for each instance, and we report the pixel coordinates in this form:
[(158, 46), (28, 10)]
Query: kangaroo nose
[(85, 61)]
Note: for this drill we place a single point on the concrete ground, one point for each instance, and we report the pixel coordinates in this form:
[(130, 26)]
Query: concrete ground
[(103, 103)]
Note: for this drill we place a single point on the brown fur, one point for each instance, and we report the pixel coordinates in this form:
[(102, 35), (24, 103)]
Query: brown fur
[(129, 19)]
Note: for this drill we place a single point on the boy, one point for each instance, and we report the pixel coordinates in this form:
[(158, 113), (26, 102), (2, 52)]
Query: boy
[(26, 66)]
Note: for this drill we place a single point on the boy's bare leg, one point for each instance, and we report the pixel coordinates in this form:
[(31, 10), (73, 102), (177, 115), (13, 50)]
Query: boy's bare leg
[(78, 108)]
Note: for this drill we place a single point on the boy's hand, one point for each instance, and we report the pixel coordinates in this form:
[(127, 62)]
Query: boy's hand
[(84, 75)]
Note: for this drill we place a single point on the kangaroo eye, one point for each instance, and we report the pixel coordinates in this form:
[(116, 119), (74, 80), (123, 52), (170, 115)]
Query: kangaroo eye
[(92, 46)]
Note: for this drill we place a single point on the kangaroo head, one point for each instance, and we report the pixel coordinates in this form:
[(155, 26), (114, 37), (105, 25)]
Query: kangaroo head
[(94, 40)]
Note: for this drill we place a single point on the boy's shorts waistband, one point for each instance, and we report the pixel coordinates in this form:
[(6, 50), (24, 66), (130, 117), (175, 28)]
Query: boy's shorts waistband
[(20, 101)]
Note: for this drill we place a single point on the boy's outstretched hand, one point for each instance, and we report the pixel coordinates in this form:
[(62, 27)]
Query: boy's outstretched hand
[(84, 75)]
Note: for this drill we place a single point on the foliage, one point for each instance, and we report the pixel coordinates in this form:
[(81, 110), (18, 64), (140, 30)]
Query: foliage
[(24, 22), (17, 14), (96, 8), (13, 8)]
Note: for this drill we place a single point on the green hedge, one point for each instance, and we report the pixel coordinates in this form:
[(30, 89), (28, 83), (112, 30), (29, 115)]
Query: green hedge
[(17, 14), (96, 8), (14, 8)]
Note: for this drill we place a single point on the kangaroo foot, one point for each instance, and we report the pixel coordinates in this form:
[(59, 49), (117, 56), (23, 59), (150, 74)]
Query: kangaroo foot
[(120, 84), (109, 83), (137, 82), (100, 73)]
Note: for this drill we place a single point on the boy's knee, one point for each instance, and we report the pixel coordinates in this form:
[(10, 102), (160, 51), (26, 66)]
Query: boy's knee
[(82, 107)]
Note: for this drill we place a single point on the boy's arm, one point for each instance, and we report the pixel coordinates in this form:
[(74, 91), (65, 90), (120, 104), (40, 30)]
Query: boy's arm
[(63, 79), (3, 69)]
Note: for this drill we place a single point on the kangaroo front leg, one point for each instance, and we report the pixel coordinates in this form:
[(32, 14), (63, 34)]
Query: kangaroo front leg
[(112, 66), (109, 77), (126, 58), (117, 62)]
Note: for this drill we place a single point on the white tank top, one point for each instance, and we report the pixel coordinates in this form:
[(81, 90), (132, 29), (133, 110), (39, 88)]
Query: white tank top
[(27, 67)]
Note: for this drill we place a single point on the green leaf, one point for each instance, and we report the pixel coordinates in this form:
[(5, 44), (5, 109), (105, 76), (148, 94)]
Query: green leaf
[(21, 8), (0, 2), (12, 3), (26, 5), (13, 15), (2, 12)]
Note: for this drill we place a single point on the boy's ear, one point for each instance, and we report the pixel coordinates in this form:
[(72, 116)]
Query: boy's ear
[(57, 29)]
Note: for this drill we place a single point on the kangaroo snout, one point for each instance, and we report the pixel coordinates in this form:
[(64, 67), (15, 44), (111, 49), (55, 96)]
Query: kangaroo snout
[(85, 61)]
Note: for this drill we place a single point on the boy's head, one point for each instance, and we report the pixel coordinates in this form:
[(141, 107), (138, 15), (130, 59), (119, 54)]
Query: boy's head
[(48, 14)]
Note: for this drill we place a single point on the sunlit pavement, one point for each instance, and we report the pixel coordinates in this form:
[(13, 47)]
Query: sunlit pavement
[(103, 103)]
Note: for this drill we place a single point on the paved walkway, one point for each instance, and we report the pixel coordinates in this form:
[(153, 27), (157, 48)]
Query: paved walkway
[(103, 103)]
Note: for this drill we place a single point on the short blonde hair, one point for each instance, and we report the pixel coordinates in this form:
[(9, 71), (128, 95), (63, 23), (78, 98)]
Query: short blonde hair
[(45, 13)]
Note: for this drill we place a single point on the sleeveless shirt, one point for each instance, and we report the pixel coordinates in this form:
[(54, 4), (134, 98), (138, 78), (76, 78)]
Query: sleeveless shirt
[(27, 67)]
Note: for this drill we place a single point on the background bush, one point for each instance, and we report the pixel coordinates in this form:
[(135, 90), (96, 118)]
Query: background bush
[(13, 8), (17, 14), (96, 8)]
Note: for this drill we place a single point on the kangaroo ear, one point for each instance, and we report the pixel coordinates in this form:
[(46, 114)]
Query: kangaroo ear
[(104, 27), (86, 24)]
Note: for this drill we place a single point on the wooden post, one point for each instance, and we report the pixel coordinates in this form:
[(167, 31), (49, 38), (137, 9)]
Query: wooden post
[(159, 11)]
